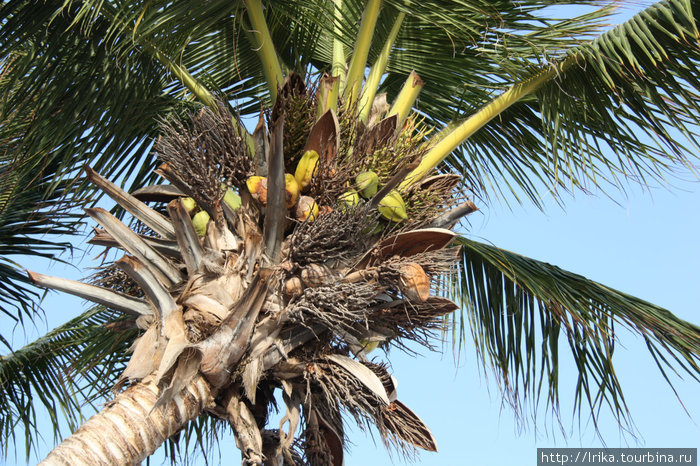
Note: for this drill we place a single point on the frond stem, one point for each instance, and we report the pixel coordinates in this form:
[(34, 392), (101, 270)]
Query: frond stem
[(338, 64), (471, 125), (265, 47), (358, 62), (378, 69)]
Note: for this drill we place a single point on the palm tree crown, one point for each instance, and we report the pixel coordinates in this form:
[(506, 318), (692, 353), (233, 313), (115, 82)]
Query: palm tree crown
[(392, 121)]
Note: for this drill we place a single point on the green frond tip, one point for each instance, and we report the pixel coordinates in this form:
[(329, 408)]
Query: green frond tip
[(621, 109), (35, 221), (520, 308)]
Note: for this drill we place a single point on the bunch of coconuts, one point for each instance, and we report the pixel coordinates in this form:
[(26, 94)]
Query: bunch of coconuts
[(392, 206)]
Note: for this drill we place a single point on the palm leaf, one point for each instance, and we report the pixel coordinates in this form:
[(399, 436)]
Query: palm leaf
[(66, 101), (630, 92), (67, 372), (116, 44), (520, 310), (30, 223), (478, 47), (75, 363), (87, 104)]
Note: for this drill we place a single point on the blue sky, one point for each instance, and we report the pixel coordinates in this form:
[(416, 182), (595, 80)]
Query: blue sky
[(647, 245)]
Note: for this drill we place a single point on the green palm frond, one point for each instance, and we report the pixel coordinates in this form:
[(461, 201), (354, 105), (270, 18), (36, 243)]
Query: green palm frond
[(465, 50), (66, 101), (74, 364), (87, 105), (464, 62), (521, 310), (632, 91), (31, 223)]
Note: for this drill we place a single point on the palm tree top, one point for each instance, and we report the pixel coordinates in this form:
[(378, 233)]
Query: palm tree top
[(516, 102)]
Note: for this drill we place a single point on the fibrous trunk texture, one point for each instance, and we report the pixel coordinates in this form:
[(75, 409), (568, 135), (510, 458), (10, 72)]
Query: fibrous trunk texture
[(130, 428)]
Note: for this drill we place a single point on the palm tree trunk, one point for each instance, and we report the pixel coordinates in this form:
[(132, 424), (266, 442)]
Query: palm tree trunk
[(131, 427)]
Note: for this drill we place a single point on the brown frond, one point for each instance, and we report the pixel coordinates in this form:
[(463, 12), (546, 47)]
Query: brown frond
[(332, 387), (400, 427)]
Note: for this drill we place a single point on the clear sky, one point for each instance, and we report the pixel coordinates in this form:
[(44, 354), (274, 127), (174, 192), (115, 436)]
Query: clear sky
[(646, 246)]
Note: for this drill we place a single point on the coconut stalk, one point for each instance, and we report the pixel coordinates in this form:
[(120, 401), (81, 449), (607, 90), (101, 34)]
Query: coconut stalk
[(332, 86), (181, 73), (194, 86), (189, 81)]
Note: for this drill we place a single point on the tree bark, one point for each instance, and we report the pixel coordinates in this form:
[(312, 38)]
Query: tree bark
[(129, 429)]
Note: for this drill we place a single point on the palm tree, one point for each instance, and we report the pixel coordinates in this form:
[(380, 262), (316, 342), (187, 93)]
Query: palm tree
[(239, 280)]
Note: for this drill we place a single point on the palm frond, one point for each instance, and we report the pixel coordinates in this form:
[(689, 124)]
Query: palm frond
[(86, 104), (74, 364), (520, 310), (67, 100), (31, 223), (631, 91)]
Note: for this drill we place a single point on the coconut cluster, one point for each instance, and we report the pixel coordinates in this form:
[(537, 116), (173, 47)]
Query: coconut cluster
[(279, 261)]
